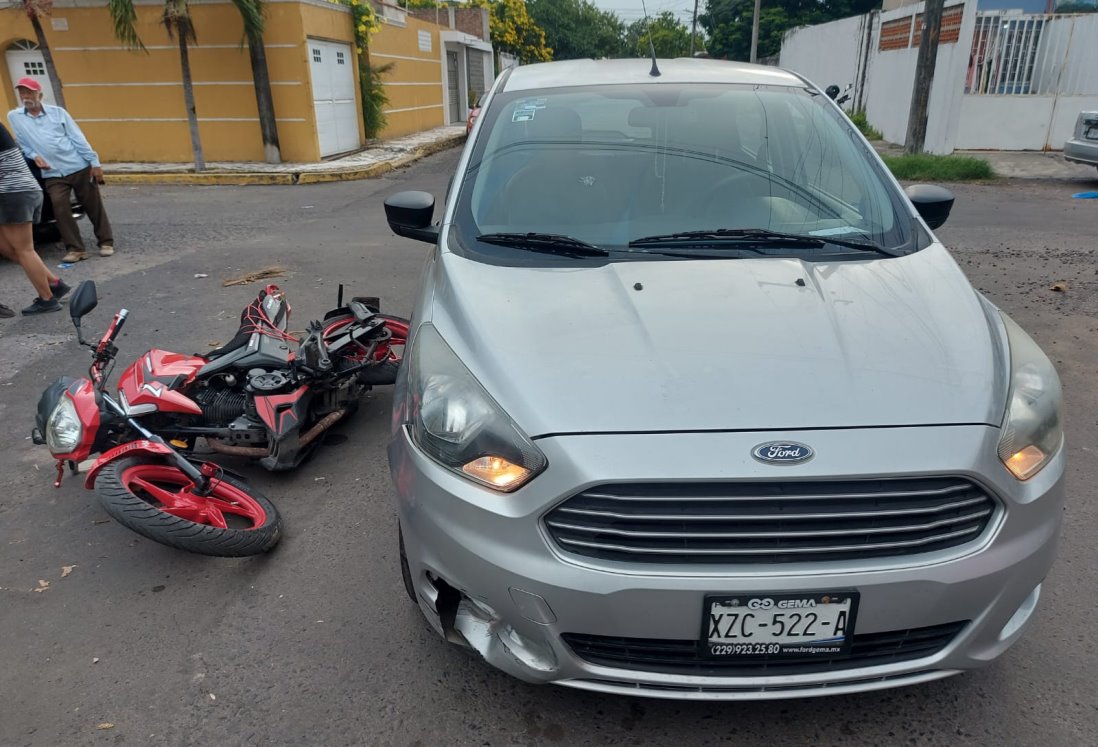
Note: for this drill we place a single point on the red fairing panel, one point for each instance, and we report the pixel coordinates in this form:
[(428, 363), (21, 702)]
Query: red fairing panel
[(154, 378), (278, 412), (82, 394)]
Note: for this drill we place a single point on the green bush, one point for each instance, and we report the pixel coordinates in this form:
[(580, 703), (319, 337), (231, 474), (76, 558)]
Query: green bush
[(860, 121), (926, 167)]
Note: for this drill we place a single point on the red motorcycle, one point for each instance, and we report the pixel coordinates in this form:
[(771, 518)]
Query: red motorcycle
[(265, 395)]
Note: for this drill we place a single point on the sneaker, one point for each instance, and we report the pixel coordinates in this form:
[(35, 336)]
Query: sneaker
[(41, 307), (6, 311), (106, 250), (74, 256), (60, 289)]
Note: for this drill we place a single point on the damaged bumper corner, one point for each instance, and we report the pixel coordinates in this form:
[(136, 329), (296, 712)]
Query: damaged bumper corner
[(472, 623)]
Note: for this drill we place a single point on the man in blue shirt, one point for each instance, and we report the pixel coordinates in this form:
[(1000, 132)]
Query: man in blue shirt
[(52, 139)]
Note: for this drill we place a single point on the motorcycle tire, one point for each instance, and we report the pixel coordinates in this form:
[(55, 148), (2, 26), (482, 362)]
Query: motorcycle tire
[(151, 496)]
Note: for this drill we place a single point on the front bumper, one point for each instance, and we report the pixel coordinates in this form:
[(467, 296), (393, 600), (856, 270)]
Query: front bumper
[(488, 575)]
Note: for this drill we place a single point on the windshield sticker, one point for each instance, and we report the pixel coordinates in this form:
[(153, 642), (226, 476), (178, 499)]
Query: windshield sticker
[(532, 103), (523, 115)]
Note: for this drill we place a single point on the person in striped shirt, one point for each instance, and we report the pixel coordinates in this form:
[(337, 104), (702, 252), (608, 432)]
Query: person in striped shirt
[(20, 207)]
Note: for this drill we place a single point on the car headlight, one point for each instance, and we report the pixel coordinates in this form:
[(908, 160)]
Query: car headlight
[(458, 424), (63, 429), (1032, 430)]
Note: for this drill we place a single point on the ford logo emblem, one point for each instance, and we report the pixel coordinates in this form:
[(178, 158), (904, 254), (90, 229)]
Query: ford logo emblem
[(782, 452)]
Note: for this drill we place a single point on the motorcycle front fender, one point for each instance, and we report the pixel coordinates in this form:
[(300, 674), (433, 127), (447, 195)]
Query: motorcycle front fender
[(141, 446)]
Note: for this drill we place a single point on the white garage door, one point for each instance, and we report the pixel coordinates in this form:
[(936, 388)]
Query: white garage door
[(332, 68), (24, 59)]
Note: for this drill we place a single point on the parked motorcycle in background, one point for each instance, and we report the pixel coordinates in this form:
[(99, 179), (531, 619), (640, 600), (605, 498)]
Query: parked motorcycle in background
[(254, 397)]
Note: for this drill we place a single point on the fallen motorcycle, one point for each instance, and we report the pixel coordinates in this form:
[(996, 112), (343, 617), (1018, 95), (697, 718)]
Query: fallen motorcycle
[(265, 395)]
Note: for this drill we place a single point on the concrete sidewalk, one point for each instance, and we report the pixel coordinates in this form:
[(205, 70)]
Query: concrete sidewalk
[(1017, 164), (372, 161)]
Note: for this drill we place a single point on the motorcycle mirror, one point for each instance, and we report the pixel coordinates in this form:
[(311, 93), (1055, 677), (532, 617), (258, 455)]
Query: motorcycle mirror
[(832, 91), (84, 299)]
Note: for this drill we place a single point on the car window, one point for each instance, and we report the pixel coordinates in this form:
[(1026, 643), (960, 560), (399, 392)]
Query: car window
[(609, 164)]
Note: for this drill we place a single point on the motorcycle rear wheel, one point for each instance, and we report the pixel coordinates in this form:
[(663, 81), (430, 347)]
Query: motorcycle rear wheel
[(153, 498)]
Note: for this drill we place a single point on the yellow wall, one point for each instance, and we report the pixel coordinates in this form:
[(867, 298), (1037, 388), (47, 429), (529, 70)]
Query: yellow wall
[(414, 86), (130, 103)]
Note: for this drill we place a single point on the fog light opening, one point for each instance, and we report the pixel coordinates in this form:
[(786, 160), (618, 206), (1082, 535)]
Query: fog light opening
[(446, 605), (1022, 615)]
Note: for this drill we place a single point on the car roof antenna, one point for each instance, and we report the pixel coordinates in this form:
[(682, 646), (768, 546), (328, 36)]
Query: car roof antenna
[(655, 71)]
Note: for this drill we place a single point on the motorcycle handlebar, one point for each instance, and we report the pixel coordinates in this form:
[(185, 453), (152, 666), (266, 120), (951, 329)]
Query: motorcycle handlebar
[(113, 330)]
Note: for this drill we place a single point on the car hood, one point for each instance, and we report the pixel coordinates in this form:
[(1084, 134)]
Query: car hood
[(746, 344)]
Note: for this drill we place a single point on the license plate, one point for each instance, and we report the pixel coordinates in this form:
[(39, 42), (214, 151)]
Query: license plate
[(806, 624)]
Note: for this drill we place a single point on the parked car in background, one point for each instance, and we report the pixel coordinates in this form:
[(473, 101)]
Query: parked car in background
[(697, 406), (45, 230), (1083, 146), (473, 113)]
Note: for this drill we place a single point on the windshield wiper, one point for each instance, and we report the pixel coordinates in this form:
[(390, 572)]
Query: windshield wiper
[(549, 243), (734, 236)]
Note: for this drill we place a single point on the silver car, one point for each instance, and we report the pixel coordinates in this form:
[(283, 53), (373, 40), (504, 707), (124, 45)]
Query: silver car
[(1083, 145), (697, 406)]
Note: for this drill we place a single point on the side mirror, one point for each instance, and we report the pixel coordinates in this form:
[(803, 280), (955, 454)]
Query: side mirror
[(932, 202), (409, 215), (84, 299)]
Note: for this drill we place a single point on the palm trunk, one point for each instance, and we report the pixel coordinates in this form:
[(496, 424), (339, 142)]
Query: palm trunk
[(47, 57), (264, 100), (188, 98)]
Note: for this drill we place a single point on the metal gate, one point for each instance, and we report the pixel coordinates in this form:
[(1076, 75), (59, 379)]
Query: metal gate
[(453, 86)]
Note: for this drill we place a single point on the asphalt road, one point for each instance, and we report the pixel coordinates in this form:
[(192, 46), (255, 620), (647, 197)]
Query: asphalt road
[(316, 644)]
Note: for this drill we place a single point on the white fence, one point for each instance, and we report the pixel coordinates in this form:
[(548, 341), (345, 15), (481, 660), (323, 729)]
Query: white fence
[(1003, 79)]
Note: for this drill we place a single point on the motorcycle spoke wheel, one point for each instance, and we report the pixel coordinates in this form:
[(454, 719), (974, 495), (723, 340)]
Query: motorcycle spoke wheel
[(166, 487), (156, 499)]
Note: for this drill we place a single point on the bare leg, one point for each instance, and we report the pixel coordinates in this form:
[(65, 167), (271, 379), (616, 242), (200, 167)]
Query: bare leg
[(18, 239)]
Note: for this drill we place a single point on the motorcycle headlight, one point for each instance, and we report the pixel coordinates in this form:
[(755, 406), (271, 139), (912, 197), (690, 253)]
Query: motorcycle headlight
[(63, 429), (458, 424), (1032, 430)]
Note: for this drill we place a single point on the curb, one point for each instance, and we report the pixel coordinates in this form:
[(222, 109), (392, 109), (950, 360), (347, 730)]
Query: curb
[(230, 178)]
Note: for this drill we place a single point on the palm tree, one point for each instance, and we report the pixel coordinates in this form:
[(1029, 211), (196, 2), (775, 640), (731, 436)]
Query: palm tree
[(34, 10), (252, 13), (176, 18)]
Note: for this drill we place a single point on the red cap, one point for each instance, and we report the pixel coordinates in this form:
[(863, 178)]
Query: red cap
[(30, 83)]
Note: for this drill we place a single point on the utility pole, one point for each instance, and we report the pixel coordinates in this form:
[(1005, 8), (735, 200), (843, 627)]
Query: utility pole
[(694, 28), (924, 76), (755, 32)]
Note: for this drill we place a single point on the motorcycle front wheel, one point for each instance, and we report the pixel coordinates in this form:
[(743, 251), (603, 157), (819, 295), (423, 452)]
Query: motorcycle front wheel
[(154, 498)]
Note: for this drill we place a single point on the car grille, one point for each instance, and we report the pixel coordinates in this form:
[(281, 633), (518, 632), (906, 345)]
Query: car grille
[(764, 522), (684, 657)]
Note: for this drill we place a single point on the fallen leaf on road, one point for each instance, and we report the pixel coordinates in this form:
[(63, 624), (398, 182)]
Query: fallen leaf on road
[(274, 271), (102, 521), (1059, 287), (214, 344), (66, 570), (42, 586), (105, 725)]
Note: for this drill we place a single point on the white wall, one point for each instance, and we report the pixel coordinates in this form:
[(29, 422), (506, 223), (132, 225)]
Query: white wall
[(892, 80), (825, 54)]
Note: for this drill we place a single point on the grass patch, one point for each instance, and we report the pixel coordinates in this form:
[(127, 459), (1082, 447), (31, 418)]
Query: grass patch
[(926, 167), (859, 120)]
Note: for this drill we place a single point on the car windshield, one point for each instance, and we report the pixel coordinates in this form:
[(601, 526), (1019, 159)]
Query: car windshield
[(617, 165)]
